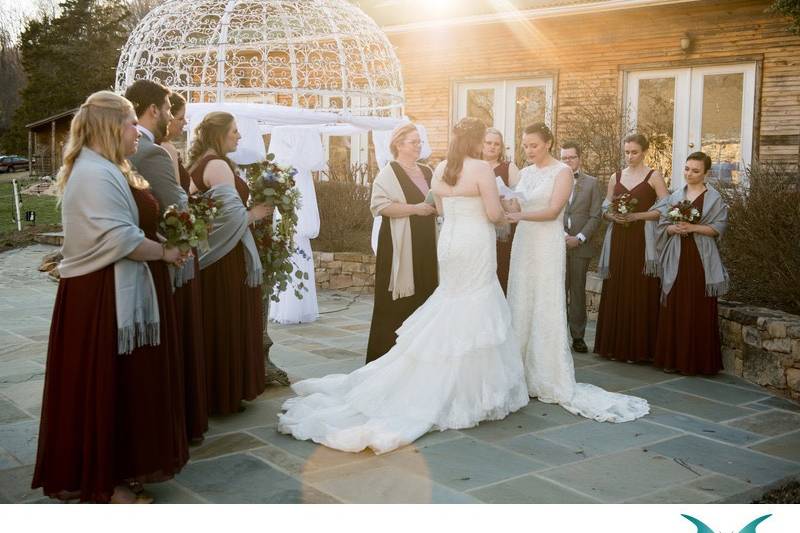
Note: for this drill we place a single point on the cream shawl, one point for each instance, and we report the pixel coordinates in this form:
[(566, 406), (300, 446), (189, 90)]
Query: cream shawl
[(386, 190)]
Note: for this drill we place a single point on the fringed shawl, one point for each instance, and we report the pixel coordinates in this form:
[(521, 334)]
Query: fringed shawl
[(715, 214), (101, 227), (230, 227)]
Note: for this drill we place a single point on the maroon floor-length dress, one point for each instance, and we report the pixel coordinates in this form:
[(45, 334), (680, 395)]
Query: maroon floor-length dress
[(188, 303), (627, 322), (232, 323), (389, 314), (688, 327), (108, 418), (504, 245)]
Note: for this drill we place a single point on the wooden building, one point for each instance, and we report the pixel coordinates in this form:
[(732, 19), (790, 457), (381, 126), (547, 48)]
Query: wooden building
[(46, 138), (718, 75)]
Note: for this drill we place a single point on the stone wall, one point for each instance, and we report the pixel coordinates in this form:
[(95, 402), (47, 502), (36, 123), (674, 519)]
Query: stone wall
[(345, 271), (762, 346), (759, 345)]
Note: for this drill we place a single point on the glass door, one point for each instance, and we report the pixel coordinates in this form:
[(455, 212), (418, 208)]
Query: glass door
[(721, 123), (687, 110), (508, 106)]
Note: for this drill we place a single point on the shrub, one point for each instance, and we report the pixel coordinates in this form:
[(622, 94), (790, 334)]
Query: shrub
[(760, 247), (345, 218)]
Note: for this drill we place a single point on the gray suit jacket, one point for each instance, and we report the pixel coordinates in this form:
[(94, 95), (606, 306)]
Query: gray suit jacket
[(583, 213), (155, 165)]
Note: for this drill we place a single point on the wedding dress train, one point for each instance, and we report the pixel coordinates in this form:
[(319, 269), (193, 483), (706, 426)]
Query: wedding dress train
[(537, 300), (456, 361)]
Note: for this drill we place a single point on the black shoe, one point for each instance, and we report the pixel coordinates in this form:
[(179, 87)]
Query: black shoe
[(579, 346)]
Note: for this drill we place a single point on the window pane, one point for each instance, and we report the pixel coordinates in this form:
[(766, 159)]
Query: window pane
[(721, 133), (530, 106), (480, 104), (656, 117)]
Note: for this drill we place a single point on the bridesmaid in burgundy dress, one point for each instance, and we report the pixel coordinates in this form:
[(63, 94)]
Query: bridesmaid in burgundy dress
[(688, 326), (494, 152), (627, 321), (109, 417), (232, 311), (188, 301)]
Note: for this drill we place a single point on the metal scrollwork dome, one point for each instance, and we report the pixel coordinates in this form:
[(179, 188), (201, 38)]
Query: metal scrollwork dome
[(313, 54)]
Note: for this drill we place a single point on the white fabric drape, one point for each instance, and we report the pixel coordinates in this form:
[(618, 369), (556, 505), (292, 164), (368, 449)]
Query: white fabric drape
[(300, 147)]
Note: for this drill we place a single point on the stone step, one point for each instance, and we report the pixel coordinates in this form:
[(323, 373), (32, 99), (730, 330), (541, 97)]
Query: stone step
[(55, 238)]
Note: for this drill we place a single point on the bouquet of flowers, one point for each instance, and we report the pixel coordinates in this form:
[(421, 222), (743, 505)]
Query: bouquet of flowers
[(204, 211), (623, 204), (178, 226), (273, 184), (683, 212)]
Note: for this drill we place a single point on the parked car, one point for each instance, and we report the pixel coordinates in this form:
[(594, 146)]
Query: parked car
[(12, 163)]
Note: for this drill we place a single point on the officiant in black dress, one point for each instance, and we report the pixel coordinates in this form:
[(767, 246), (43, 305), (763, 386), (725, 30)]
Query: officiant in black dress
[(406, 264)]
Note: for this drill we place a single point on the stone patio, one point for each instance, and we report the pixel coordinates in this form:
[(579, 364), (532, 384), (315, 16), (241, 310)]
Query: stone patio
[(707, 440)]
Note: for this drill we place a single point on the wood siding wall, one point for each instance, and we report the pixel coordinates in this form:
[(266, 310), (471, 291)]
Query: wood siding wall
[(591, 52)]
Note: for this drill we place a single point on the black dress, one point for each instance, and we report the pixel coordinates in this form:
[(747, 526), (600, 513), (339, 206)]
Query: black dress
[(389, 314)]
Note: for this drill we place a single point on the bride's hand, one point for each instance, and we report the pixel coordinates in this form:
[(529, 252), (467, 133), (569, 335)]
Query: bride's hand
[(513, 218), (511, 206)]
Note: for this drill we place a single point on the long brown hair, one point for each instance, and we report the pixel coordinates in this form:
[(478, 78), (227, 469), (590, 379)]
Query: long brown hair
[(99, 124), (468, 135), (210, 135)]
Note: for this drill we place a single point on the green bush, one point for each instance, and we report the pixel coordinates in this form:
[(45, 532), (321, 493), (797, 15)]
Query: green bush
[(760, 248)]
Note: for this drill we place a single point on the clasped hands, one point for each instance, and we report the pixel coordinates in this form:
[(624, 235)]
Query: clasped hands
[(681, 228), (512, 209), (617, 218)]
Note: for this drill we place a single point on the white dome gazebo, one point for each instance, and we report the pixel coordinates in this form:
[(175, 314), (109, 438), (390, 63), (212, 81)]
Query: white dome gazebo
[(313, 54), (300, 70)]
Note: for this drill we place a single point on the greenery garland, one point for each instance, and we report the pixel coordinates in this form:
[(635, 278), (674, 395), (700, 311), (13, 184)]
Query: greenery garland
[(273, 184)]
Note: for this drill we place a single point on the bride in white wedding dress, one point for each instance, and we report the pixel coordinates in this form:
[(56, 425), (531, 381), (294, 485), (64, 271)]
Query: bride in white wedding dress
[(456, 361), (536, 293)]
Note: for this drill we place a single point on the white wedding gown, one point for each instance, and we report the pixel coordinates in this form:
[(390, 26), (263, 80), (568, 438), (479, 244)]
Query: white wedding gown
[(537, 300), (456, 361)]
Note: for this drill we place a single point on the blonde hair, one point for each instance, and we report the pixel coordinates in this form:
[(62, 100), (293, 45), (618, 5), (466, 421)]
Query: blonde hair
[(398, 135), (210, 135), (98, 125), (502, 157)]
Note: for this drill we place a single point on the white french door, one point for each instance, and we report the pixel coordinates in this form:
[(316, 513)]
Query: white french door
[(707, 109), (508, 105)]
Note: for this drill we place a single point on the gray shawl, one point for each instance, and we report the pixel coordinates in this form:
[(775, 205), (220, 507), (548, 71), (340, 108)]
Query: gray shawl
[(101, 227), (230, 227), (715, 214), (650, 253)]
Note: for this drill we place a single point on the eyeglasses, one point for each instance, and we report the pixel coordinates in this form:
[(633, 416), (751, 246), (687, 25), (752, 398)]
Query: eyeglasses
[(570, 157)]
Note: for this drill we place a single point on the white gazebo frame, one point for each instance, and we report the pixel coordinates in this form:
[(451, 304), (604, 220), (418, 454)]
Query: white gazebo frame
[(313, 54)]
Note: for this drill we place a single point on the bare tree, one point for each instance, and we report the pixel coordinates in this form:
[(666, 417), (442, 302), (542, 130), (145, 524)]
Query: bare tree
[(138, 9)]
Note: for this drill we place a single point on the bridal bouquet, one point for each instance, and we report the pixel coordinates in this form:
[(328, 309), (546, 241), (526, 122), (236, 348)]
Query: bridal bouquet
[(683, 212), (204, 211), (273, 184), (180, 229), (623, 204)]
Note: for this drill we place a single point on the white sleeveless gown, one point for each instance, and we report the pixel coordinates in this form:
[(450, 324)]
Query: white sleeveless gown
[(537, 300), (456, 361)]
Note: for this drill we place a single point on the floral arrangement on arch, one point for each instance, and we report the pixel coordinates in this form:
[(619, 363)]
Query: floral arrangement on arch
[(273, 184)]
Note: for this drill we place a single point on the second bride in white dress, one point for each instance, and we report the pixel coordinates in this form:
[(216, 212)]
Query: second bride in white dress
[(536, 290), (456, 361)]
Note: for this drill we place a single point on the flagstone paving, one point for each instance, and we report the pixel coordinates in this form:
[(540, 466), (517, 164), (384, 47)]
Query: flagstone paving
[(706, 440)]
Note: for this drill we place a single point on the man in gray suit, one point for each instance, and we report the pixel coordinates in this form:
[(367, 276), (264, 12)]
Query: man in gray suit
[(150, 100), (581, 219)]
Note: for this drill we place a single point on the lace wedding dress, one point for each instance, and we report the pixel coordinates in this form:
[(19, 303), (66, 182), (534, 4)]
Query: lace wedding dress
[(538, 308), (456, 361)]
